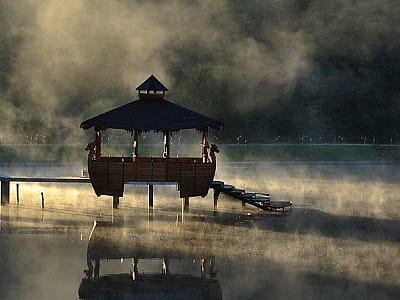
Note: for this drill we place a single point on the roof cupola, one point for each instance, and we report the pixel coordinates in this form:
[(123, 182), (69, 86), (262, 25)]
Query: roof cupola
[(151, 88)]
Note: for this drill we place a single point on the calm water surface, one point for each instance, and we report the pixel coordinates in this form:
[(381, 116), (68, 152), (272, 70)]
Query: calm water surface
[(341, 239)]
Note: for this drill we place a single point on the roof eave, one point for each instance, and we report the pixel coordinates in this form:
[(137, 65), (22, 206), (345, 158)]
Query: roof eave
[(85, 125)]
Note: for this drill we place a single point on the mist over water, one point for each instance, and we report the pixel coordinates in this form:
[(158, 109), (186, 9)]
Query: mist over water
[(79, 58), (339, 241), (65, 61)]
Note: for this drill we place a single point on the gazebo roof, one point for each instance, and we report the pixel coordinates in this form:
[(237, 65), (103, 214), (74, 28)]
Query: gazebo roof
[(151, 114)]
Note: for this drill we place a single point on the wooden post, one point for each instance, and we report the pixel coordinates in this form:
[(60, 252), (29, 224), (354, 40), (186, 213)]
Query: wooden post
[(5, 192), (183, 211), (204, 145), (98, 144), (216, 195), (42, 200), (135, 143), (167, 144), (151, 189), (186, 204), (150, 217), (17, 193), (115, 201)]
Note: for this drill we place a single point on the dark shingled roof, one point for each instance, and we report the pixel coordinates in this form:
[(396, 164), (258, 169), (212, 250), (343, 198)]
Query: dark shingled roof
[(151, 84), (151, 114)]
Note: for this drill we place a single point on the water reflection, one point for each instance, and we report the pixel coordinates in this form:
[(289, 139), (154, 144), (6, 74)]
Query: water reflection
[(340, 241), (173, 243)]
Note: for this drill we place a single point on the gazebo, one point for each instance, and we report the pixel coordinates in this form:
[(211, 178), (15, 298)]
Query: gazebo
[(151, 112)]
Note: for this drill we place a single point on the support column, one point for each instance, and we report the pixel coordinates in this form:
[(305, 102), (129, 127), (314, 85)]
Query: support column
[(42, 199), (167, 144), (135, 143), (98, 144), (150, 217), (5, 192), (17, 191), (115, 201), (204, 145), (216, 195), (186, 204), (151, 192)]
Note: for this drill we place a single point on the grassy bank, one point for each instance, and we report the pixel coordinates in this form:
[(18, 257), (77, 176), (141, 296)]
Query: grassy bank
[(316, 152), (312, 152)]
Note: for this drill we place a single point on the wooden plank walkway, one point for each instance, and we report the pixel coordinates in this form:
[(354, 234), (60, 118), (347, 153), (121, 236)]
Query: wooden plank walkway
[(259, 200), (71, 179), (5, 184)]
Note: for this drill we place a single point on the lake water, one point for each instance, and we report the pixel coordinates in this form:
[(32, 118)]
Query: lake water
[(340, 240)]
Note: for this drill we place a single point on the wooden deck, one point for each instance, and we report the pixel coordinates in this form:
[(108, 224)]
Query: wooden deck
[(109, 174)]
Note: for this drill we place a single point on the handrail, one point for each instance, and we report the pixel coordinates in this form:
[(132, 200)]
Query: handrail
[(194, 160)]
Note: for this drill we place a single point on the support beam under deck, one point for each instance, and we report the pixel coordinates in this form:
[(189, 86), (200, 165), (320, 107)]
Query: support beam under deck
[(151, 195), (5, 192), (115, 201), (186, 204)]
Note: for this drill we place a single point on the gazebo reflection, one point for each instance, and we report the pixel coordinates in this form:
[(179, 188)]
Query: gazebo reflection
[(110, 243)]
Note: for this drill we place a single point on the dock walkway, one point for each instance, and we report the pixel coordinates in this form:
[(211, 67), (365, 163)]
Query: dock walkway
[(5, 183), (259, 200)]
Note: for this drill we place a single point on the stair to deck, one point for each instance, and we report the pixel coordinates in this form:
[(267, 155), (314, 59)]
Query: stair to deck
[(260, 200)]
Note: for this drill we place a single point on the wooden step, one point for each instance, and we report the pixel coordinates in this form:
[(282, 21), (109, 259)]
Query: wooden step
[(237, 192), (259, 199), (228, 187), (217, 184)]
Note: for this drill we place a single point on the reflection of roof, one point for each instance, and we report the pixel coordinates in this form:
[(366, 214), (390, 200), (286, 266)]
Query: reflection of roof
[(151, 114), (151, 84)]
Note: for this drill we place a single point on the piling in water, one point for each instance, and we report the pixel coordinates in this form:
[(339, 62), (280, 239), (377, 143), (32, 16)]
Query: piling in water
[(17, 193)]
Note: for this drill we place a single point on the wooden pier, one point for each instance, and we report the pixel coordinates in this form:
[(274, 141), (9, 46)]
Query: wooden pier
[(259, 200), (5, 183), (6, 180)]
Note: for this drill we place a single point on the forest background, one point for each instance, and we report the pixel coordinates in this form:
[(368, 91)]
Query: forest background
[(289, 71)]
